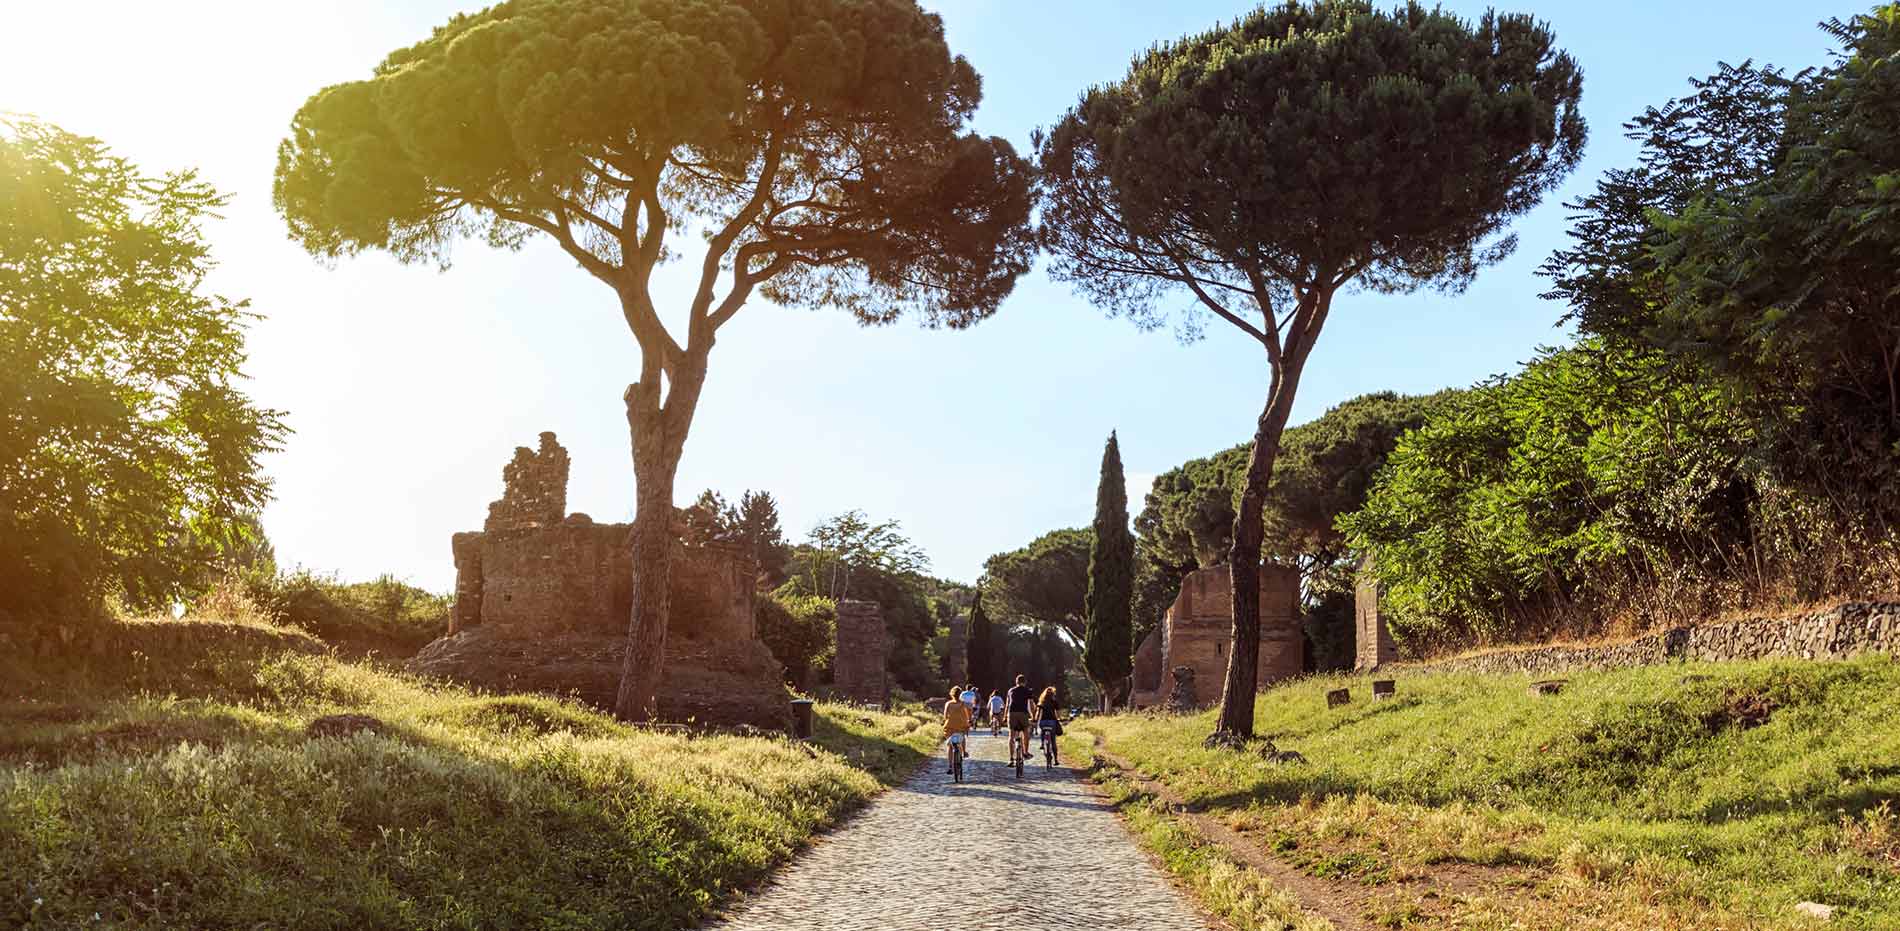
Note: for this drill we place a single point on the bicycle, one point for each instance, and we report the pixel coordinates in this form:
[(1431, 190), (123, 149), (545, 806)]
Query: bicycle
[(996, 724), (1048, 748), (956, 758), (1016, 755)]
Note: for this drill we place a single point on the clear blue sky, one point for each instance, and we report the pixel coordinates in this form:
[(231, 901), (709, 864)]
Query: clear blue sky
[(408, 388)]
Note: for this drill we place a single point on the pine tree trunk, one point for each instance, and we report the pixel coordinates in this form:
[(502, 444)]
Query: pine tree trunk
[(659, 436), (653, 470), (1243, 554)]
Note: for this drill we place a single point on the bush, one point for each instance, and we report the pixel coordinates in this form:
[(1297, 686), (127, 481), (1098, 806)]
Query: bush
[(383, 614), (801, 631)]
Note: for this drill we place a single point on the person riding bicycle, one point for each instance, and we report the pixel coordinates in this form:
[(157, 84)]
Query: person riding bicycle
[(969, 700), (996, 711), (1018, 701), (956, 726), (1048, 720)]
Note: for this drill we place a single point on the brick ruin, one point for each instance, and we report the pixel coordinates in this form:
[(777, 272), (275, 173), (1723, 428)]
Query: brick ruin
[(858, 670), (542, 603), (1372, 640), (1197, 632)]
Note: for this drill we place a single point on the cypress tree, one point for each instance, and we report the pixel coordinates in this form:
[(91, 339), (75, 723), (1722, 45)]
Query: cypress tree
[(1108, 640), (979, 649)]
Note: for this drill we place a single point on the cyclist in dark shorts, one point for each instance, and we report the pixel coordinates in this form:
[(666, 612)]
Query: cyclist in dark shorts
[(1019, 699)]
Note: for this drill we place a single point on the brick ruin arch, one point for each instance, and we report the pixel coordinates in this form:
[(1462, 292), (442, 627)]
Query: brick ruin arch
[(1197, 632), (542, 603)]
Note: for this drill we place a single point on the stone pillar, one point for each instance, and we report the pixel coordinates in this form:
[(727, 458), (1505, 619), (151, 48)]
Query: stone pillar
[(857, 672), (1372, 640), (957, 666)]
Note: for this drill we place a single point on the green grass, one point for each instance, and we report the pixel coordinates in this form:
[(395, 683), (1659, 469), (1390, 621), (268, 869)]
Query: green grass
[(1663, 787), (1242, 898), (169, 784)]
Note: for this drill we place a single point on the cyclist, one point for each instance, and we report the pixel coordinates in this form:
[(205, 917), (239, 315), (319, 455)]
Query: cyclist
[(969, 700), (1019, 700), (996, 711), (1048, 722), (956, 726)]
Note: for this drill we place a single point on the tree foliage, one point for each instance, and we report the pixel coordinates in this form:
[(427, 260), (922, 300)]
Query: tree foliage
[(1044, 582), (128, 454), (1324, 469), (1725, 432), (1108, 638), (1263, 166), (753, 525), (801, 631), (1588, 465), (817, 148), (852, 543)]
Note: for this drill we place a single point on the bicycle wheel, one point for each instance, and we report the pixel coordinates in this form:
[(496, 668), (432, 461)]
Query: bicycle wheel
[(956, 763), (1048, 753)]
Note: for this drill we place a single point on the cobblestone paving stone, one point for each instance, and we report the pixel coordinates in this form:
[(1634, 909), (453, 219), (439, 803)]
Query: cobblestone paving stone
[(927, 855)]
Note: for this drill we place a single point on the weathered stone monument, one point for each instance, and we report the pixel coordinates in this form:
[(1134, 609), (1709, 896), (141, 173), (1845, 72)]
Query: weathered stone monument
[(857, 672), (1372, 640), (542, 603), (957, 653), (1197, 633)]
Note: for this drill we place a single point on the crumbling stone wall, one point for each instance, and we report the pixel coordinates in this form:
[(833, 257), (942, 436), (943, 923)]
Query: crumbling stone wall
[(1372, 640), (1197, 632), (858, 671), (543, 603), (534, 488), (1838, 633)]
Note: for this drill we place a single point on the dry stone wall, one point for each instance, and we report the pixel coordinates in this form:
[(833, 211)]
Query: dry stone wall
[(1838, 633)]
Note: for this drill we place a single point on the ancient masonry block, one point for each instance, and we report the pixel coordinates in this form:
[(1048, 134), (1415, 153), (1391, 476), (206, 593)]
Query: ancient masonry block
[(857, 672), (1197, 633), (542, 603), (534, 488), (1372, 640), (957, 668)]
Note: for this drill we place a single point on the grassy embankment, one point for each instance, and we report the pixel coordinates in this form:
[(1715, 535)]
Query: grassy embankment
[(1702, 796), (172, 785)]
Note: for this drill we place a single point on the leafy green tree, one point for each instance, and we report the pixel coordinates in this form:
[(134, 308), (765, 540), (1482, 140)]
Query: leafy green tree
[(852, 542), (1786, 286), (1108, 638), (127, 453), (801, 631), (1045, 582), (1590, 467), (1265, 165), (814, 149)]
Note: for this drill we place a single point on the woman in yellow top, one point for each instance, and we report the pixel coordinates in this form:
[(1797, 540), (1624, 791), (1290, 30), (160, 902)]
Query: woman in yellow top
[(956, 723)]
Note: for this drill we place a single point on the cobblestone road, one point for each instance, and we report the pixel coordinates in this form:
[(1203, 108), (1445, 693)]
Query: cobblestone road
[(892, 868)]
